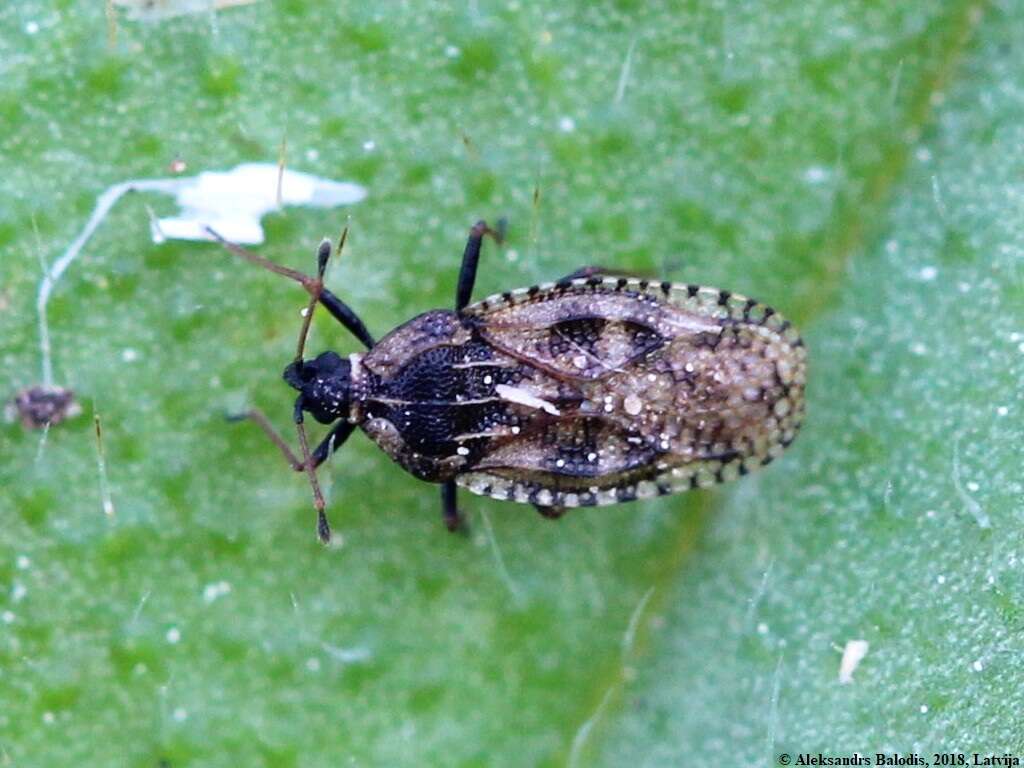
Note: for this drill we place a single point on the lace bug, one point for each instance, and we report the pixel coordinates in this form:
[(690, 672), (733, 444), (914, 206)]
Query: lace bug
[(592, 390)]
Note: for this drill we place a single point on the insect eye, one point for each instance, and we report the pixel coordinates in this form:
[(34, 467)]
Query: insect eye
[(298, 373)]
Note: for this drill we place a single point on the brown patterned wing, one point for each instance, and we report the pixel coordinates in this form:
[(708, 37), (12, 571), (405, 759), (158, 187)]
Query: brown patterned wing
[(679, 387), (583, 333)]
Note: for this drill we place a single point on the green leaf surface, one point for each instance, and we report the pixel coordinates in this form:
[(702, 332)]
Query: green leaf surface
[(786, 151)]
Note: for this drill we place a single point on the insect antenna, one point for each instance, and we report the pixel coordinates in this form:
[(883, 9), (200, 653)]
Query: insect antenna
[(314, 286), (323, 255), (302, 279), (323, 528)]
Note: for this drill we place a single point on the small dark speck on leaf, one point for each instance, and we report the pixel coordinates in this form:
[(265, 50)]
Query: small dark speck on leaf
[(41, 406)]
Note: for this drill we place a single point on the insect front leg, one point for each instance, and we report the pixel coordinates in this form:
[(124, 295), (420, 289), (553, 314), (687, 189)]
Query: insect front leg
[(339, 309), (344, 315), (335, 439), (471, 258), (452, 519)]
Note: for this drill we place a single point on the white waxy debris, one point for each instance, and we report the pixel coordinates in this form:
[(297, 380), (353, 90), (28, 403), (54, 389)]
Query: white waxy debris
[(488, 379), (217, 589), (233, 202), (560, 463), (522, 397), (591, 456), (632, 405), (580, 361), (853, 654), (147, 10), (462, 450)]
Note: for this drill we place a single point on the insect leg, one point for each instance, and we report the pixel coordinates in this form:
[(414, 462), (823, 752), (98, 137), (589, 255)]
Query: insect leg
[(470, 259), (341, 311), (551, 513), (452, 519), (344, 315), (334, 440)]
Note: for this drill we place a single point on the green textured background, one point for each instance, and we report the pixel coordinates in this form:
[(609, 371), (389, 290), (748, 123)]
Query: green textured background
[(859, 165)]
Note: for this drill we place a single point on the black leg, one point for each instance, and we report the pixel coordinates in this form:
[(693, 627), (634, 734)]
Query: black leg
[(551, 513), (334, 440), (341, 311), (470, 259), (344, 315), (452, 519)]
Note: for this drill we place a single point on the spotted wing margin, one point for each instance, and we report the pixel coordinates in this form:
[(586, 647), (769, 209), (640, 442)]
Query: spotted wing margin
[(588, 461), (550, 490), (589, 328)]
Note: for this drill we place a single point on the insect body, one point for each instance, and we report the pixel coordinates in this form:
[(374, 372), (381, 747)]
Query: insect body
[(592, 390)]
